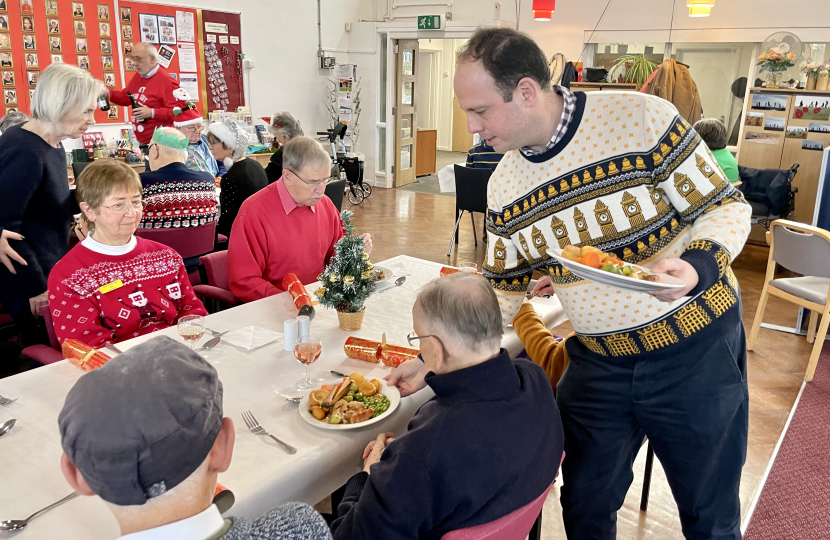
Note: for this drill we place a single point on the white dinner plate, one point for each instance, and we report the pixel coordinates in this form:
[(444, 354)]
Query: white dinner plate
[(616, 280), (389, 391), (389, 275)]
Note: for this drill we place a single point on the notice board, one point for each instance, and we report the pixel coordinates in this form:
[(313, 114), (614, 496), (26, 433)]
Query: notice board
[(222, 43), (37, 33)]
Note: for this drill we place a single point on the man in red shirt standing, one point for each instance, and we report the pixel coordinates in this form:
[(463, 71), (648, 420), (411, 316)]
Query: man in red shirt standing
[(288, 227), (152, 88)]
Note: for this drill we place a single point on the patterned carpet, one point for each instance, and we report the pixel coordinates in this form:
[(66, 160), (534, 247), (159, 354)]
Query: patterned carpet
[(795, 502)]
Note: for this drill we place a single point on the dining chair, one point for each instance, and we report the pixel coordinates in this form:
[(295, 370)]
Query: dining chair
[(470, 196), (217, 288), (517, 525), (45, 354), (189, 242), (334, 191), (802, 249)]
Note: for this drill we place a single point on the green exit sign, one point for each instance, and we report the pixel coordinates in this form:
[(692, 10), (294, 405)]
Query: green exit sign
[(429, 22)]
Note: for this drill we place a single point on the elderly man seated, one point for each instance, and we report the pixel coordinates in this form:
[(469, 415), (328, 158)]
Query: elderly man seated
[(176, 196), (487, 444), (157, 470), (113, 285), (288, 227), (199, 157)]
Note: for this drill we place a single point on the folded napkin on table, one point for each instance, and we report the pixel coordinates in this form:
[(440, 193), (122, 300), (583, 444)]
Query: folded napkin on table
[(251, 337)]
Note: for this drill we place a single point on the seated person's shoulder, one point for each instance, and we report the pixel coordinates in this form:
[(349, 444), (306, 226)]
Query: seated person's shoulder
[(291, 521)]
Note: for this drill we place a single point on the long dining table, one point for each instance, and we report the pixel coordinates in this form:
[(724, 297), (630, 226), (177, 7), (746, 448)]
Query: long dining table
[(261, 474)]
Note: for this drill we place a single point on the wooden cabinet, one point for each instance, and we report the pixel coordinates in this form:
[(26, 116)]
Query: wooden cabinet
[(594, 87), (426, 145)]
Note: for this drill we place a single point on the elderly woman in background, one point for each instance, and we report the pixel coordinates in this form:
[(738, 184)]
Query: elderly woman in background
[(34, 189), (713, 133), (284, 127), (12, 119), (114, 286), (228, 143)]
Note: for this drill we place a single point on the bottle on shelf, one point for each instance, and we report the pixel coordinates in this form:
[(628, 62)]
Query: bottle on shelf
[(135, 104), (104, 101)]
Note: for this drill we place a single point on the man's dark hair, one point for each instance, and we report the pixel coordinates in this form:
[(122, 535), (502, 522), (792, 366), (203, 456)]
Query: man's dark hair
[(713, 133), (508, 56)]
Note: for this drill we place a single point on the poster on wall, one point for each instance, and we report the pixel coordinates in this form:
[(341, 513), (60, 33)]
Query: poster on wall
[(812, 145), (812, 107), (165, 56), (774, 124), (796, 132), (755, 119), (185, 27), (149, 28), (167, 29), (190, 82), (187, 57), (769, 102), (818, 127), (216, 28), (761, 138)]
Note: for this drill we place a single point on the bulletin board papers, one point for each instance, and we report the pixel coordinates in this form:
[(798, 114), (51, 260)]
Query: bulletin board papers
[(165, 55), (185, 27), (187, 57), (167, 29), (190, 82), (345, 99), (149, 28), (216, 28)]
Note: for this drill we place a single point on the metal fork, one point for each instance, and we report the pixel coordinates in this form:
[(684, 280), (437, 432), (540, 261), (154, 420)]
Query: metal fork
[(6, 401), (256, 429)]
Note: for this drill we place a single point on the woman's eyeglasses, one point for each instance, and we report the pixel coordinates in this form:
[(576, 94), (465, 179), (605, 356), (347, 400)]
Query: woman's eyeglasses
[(123, 207)]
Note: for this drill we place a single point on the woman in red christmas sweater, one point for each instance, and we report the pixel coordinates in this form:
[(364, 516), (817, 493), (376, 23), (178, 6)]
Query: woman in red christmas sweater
[(114, 286)]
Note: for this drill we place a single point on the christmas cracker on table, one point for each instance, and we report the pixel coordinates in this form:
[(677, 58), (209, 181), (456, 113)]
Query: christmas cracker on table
[(82, 355), (374, 351), (449, 270)]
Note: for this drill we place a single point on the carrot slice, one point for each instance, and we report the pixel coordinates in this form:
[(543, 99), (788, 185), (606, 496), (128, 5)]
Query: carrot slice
[(592, 259)]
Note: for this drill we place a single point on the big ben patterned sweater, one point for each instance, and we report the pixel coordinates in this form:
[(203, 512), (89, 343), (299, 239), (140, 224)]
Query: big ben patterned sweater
[(630, 177)]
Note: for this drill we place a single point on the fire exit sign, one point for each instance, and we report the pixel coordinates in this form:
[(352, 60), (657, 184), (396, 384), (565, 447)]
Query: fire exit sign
[(429, 22)]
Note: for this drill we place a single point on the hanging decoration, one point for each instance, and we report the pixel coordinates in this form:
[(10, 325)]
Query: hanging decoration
[(543, 9)]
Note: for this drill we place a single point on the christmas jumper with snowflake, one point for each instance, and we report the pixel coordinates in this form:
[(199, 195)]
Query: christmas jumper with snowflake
[(102, 294), (155, 92), (633, 178)]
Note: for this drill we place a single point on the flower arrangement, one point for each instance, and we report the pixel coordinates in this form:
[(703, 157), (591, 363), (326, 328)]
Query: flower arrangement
[(812, 68), (778, 58)]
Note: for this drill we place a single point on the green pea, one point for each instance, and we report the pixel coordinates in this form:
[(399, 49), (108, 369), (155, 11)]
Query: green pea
[(353, 388), (358, 396), (348, 399)]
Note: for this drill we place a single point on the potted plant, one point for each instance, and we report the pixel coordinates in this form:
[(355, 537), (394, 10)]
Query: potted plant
[(638, 68), (348, 279), (775, 62), (812, 69)]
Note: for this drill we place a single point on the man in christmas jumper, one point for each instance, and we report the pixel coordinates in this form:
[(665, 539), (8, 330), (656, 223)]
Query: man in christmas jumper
[(175, 195), (152, 88), (624, 172), (115, 286), (288, 227)]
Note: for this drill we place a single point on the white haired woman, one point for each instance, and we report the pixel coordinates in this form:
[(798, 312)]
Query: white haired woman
[(228, 143), (34, 190), (284, 127)]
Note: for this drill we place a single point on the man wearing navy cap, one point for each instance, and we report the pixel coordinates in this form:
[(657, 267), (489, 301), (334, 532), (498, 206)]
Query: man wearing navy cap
[(155, 454)]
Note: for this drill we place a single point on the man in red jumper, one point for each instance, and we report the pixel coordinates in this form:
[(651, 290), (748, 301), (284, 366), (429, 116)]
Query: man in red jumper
[(152, 88), (288, 227)]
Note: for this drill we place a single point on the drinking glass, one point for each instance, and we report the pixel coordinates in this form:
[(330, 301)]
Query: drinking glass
[(307, 350), (469, 267), (191, 328)]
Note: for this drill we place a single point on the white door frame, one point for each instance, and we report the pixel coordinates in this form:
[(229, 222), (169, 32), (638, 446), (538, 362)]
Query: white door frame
[(409, 30)]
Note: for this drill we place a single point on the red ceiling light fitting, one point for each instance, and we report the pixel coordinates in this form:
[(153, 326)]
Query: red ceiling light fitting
[(543, 9)]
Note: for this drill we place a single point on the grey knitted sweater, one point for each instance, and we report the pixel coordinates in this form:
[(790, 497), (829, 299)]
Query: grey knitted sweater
[(292, 521)]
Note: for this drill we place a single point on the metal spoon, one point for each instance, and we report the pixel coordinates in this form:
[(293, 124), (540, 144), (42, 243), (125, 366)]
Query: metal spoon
[(398, 282), (293, 399), (7, 426), (337, 373), (210, 344), (6, 401), (16, 524)]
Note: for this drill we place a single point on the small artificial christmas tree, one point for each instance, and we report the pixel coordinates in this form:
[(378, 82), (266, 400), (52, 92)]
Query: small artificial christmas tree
[(349, 278)]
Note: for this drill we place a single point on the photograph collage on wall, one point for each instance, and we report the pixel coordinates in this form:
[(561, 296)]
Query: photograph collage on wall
[(811, 107)]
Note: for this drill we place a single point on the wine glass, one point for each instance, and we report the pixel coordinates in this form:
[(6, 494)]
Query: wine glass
[(307, 350), (191, 328), (469, 267)]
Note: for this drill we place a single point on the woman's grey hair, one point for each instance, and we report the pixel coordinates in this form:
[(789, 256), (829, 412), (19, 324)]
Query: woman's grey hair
[(179, 155), (12, 119), (64, 92), (284, 123), (713, 133), (465, 309), (302, 151)]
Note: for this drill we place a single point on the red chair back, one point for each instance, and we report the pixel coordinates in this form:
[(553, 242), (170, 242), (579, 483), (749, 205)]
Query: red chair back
[(186, 241), (50, 326), (216, 269), (514, 526)]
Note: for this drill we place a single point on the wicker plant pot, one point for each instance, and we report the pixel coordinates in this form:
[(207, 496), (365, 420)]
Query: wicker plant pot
[(351, 321)]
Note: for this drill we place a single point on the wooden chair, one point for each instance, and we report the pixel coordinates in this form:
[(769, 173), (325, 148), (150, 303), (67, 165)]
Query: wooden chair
[(805, 250)]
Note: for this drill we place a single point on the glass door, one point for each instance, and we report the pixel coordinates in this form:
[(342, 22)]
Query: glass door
[(405, 122)]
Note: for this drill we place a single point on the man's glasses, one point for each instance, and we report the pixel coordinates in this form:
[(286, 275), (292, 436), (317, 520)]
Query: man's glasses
[(124, 207), (415, 337), (313, 183)]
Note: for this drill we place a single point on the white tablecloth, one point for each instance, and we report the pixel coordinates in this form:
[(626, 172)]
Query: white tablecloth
[(261, 474)]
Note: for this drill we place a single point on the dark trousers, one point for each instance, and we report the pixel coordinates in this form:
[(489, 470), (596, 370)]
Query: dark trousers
[(692, 404), (16, 302)]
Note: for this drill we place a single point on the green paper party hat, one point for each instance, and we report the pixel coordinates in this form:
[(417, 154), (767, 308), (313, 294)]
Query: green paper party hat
[(171, 141)]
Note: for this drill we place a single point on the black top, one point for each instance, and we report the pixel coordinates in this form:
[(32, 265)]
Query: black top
[(488, 443), (274, 168), (242, 180), (34, 201)]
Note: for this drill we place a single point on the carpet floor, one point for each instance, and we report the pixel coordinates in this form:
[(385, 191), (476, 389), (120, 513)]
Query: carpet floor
[(794, 502)]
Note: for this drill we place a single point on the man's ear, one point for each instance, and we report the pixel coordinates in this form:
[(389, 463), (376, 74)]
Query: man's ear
[(222, 451), (439, 354), (74, 477), (528, 91)]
